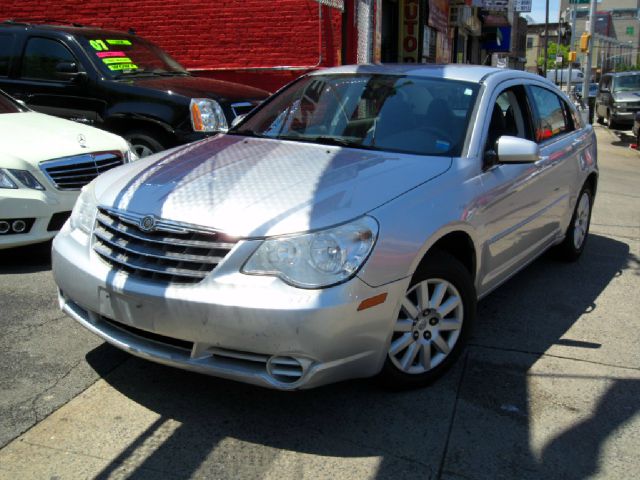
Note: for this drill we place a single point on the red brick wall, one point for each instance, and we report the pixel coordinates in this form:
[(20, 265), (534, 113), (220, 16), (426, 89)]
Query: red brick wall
[(221, 38)]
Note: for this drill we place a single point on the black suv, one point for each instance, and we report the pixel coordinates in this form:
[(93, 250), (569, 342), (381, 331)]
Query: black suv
[(116, 81)]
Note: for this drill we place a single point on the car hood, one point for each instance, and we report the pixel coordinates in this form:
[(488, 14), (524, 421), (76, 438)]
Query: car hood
[(33, 137), (626, 96), (197, 87), (252, 187)]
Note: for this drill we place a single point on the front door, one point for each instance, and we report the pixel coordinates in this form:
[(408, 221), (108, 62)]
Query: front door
[(52, 81)]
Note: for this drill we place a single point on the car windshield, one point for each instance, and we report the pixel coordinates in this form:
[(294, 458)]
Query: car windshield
[(406, 114), (8, 105), (626, 83), (127, 55)]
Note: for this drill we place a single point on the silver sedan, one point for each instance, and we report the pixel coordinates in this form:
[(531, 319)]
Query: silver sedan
[(345, 228)]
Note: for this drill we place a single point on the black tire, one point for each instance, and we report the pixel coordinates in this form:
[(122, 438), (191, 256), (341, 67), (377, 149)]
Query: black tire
[(610, 123), (440, 268), (572, 247), (144, 143), (600, 119)]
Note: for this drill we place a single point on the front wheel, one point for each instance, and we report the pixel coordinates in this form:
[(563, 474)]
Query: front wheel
[(143, 143), (432, 325)]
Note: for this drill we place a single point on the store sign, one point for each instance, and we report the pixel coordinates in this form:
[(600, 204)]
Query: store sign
[(496, 5), (409, 30), (439, 15), (522, 5)]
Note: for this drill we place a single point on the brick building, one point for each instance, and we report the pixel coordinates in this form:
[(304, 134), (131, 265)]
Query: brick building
[(269, 43)]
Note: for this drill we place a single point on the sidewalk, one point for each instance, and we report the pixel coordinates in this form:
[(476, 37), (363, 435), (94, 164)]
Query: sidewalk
[(549, 388)]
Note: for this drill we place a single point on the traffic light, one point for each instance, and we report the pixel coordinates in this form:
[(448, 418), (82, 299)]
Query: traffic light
[(572, 56), (584, 42)]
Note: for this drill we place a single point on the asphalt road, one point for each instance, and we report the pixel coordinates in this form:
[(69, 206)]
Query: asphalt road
[(548, 388)]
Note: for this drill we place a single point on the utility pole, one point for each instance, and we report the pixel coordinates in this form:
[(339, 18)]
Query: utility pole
[(546, 39), (572, 11), (587, 71)]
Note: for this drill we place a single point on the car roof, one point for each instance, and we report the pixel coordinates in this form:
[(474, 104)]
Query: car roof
[(72, 29), (469, 73)]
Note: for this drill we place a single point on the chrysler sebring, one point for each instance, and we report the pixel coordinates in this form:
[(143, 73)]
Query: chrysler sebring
[(345, 228)]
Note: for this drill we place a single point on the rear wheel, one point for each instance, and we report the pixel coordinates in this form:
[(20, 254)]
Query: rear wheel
[(610, 122), (577, 232), (433, 323), (143, 143)]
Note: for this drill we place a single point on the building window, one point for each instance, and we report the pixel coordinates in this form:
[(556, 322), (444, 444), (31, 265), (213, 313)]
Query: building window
[(529, 42)]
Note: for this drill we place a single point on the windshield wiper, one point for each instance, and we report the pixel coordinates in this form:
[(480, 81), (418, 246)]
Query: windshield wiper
[(247, 133), (327, 140)]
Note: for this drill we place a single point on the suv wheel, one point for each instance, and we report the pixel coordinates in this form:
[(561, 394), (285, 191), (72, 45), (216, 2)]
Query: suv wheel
[(142, 143), (433, 323)]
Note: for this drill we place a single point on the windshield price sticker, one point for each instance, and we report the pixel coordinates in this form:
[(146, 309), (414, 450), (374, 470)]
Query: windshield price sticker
[(122, 66), (119, 42), (111, 54), (110, 61)]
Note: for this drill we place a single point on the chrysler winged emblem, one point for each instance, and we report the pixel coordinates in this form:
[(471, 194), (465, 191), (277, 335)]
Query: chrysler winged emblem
[(148, 223)]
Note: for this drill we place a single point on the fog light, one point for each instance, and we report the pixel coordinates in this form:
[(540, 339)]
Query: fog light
[(18, 226), (4, 226)]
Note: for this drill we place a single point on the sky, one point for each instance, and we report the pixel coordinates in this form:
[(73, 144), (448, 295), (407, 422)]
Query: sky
[(538, 7)]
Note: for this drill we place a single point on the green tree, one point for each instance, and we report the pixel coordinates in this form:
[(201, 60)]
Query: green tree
[(553, 52)]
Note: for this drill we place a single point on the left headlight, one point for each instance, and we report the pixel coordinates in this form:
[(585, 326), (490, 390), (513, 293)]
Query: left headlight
[(84, 211), (207, 116), (318, 259)]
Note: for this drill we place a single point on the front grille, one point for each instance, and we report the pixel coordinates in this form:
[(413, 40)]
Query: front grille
[(242, 108), (172, 252), (57, 221), (154, 337), (73, 173)]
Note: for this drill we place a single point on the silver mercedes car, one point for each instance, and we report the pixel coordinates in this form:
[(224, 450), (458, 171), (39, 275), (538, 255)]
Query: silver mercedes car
[(345, 228)]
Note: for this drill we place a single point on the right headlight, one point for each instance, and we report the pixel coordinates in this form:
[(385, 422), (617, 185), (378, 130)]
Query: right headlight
[(84, 211), (5, 180), (318, 259), (207, 116)]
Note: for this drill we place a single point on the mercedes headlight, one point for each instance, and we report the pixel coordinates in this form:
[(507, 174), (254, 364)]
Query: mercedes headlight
[(207, 116), (5, 180), (318, 259), (27, 179), (84, 211)]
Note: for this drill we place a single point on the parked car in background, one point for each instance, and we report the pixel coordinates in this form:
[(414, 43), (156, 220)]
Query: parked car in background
[(618, 98), (592, 93), (561, 76), (116, 81), (345, 228), (44, 161)]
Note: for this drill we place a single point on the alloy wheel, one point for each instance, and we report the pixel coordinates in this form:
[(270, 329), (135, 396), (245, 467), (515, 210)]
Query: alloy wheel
[(582, 221), (428, 326)]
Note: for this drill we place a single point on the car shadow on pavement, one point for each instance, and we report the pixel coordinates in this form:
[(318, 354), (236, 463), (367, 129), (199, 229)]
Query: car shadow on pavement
[(27, 259), (457, 428)]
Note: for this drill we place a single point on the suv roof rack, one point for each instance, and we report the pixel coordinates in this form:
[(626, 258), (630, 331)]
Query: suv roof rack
[(46, 21)]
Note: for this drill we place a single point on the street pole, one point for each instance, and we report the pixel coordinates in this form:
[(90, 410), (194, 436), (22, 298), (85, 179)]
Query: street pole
[(587, 72), (573, 39), (546, 39)]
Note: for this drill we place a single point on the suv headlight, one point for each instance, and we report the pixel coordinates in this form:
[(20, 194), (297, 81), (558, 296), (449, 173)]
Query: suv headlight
[(207, 116), (318, 259), (84, 211)]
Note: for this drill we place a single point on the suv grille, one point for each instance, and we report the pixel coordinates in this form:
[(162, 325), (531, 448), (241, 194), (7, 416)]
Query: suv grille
[(73, 173), (172, 252)]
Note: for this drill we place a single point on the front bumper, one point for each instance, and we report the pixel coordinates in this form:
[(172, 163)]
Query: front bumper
[(39, 205), (254, 329), (623, 116)]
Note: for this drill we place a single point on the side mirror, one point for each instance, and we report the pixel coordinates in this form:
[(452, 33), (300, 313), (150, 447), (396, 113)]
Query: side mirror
[(68, 71), (517, 150), (237, 120)]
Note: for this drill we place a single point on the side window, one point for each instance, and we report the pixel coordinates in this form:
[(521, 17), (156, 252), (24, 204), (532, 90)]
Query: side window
[(552, 119), (41, 56), (6, 47), (509, 116)]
